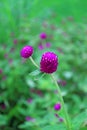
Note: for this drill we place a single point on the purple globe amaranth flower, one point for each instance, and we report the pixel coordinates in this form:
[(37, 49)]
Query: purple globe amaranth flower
[(49, 62), (57, 106), (48, 45), (26, 51), (61, 119), (28, 118), (40, 47), (43, 35)]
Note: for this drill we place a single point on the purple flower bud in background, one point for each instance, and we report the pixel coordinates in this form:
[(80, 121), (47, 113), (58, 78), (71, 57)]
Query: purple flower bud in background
[(1, 71), (48, 45), (10, 61), (60, 119), (6, 55), (57, 115), (4, 77), (12, 49), (62, 82), (3, 106), (40, 46), (43, 35), (57, 106), (28, 118), (30, 100), (49, 62), (15, 41), (26, 51), (39, 92)]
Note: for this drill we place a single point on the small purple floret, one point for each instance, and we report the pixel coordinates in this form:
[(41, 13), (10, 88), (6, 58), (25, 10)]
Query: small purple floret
[(28, 118), (30, 100), (48, 44), (60, 119), (49, 62), (40, 47), (26, 51), (57, 106), (43, 35)]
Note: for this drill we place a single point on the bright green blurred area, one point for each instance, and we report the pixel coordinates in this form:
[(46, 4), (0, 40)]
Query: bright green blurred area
[(13, 11)]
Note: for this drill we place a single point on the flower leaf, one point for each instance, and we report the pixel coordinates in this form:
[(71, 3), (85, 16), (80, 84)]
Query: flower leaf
[(79, 119)]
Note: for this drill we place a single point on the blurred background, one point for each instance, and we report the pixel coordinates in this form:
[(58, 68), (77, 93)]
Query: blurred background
[(25, 101)]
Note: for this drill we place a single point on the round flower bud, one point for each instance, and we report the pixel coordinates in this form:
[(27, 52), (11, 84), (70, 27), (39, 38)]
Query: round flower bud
[(49, 62), (43, 35), (26, 51), (57, 106)]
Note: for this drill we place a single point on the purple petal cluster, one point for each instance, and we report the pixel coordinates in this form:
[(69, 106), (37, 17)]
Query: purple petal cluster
[(43, 35), (28, 118), (26, 51), (57, 106), (49, 62)]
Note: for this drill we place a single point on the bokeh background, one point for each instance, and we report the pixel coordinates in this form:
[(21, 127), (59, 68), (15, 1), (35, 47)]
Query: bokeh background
[(27, 98)]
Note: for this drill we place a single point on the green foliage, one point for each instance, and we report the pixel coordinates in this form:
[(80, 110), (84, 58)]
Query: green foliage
[(79, 119), (24, 90), (55, 127)]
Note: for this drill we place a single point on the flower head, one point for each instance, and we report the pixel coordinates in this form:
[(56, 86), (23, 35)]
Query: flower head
[(26, 51), (43, 35), (57, 106), (48, 45), (49, 62)]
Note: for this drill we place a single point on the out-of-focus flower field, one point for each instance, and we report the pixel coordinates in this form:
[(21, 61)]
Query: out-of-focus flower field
[(27, 98)]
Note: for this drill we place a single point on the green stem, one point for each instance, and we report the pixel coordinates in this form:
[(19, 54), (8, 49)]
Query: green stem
[(67, 120), (34, 62)]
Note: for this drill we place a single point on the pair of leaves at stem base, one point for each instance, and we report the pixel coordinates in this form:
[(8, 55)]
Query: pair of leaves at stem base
[(77, 123), (37, 74)]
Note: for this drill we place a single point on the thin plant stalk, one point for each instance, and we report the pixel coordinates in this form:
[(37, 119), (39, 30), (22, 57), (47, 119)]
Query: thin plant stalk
[(34, 62), (67, 120)]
